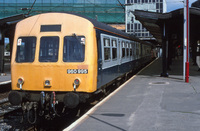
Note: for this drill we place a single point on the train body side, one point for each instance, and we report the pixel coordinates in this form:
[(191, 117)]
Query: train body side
[(130, 56)]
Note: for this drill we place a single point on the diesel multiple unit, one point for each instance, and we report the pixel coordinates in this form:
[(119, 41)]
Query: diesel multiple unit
[(61, 59)]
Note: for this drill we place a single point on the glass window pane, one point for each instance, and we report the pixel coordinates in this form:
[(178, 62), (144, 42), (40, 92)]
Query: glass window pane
[(127, 49), (74, 49), (114, 49), (123, 52), (49, 46), (107, 53), (26, 49), (123, 49), (107, 49), (157, 5), (128, 27)]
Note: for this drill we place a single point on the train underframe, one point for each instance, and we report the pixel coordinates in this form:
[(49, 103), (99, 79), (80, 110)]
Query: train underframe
[(47, 104)]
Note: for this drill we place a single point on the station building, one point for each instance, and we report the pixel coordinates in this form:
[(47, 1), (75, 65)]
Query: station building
[(133, 26)]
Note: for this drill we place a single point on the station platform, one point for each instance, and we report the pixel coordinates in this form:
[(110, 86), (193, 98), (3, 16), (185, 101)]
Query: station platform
[(5, 78), (148, 102)]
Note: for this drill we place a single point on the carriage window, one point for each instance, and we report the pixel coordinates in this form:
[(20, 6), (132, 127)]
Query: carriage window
[(26, 49), (127, 49), (137, 49), (114, 49), (49, 46), (106, 49), (74, 49), (123, 49), (131, 51)]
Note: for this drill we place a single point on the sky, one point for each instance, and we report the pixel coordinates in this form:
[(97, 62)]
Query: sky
[(176, 4)]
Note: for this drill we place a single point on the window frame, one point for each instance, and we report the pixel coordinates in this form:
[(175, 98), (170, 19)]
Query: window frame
[(114, 47), (19, 42), (127, 50), (81, 42), (108, 47), (123, 48), (58, 44)]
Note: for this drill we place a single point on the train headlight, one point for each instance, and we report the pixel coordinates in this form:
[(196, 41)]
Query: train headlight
[(47, 83), (76, 82), (20, 81)]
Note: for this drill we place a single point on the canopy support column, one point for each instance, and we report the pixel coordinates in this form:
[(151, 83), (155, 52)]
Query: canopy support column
[(164, 53), (1, 51)]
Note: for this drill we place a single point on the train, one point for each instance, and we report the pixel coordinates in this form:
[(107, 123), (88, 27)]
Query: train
[(60, 60)]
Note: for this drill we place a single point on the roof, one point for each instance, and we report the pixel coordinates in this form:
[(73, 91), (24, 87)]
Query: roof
[(11, 19), (14, 19), (102, 26), (173, 21), (7, 25)]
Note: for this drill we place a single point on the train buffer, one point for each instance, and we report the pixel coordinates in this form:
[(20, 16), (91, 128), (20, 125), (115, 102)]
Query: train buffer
[(148, 102)]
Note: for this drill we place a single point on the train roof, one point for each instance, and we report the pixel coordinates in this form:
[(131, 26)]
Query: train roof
[(102, 26)]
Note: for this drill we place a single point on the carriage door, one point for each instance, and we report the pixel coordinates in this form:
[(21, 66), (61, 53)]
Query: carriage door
[(100, 61), (119, 54)]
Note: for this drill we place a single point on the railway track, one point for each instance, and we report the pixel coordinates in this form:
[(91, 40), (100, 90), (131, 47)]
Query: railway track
[(11, 117), (6, 107)]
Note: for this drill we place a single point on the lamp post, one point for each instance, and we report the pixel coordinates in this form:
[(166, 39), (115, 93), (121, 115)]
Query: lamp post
[(186, 42)]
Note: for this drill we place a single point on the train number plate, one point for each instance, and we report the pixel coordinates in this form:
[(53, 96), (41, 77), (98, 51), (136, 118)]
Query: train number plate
[(77, 71)]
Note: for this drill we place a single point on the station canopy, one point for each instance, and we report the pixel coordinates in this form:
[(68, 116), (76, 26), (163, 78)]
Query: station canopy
[(173, 23)]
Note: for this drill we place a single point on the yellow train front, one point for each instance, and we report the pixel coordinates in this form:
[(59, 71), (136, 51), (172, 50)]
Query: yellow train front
[(49, 61)]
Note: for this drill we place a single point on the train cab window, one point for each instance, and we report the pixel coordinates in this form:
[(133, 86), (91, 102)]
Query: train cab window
[(106, 49), (25, 49), (49, 46), (114, 49), (123, 49), (74, 49)]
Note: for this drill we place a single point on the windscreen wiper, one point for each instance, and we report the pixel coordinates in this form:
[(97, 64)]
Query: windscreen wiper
[(82, 43)]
